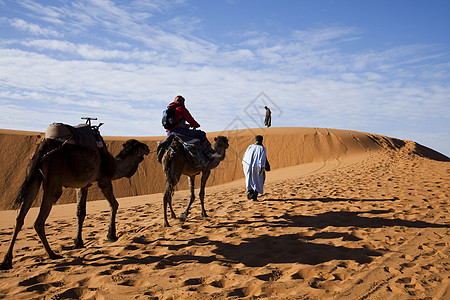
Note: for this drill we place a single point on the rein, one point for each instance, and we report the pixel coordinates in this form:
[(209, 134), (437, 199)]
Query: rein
[(229, 149)]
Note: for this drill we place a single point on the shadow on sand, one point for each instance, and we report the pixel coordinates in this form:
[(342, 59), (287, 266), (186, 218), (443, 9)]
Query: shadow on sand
[(263, 249), (252, 252)]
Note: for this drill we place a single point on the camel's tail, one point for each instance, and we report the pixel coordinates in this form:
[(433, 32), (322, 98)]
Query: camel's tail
[(30, 186)]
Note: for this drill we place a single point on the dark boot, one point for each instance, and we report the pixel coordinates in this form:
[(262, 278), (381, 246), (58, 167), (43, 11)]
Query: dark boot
[(162, 147), (161, 150)]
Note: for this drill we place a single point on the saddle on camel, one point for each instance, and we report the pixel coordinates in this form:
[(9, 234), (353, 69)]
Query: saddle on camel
[(198, 153), (84, 135), (74, 157)]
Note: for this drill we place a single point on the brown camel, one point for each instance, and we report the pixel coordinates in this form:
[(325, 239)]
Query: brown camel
[(175, 164), (56, 165)]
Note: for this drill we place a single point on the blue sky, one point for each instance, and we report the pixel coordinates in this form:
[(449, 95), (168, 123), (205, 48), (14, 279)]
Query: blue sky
[(373, 66)]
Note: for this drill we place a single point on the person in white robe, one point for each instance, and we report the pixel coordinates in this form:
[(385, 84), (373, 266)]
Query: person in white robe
[(255, 163)]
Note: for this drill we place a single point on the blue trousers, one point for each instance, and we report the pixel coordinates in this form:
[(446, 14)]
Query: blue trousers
[(198, 134), (201, 135)]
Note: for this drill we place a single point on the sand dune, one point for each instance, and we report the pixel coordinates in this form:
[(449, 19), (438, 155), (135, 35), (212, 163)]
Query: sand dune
[(285, 147), (346, 215)]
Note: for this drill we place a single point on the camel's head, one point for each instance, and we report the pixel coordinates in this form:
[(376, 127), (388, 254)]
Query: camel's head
[(133, 147), (221, 143), (136, 151)]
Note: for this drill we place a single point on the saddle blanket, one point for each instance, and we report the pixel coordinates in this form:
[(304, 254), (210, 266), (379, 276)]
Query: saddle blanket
[(195, 150), (81, 135)]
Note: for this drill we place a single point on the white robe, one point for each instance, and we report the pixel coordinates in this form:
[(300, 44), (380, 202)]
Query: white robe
[(253, 161)]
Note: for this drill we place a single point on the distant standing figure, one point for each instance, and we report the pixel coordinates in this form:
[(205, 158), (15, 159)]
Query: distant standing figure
[(268, 119), (255, 164)]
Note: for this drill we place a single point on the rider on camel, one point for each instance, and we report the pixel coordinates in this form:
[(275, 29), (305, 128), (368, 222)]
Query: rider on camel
[(183, 122)]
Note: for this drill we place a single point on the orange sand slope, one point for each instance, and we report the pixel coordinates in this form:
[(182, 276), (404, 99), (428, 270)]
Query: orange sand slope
[(345, 215), (285, 147)]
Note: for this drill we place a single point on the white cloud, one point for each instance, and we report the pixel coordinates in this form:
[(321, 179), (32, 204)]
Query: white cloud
[(33, 29), (101, 19), (49, 14), (54, 45), (324, 36), (184, 26)]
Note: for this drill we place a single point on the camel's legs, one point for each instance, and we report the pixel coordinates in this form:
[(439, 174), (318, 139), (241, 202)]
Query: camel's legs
[(166, 201), (7, 260), (172, 213), (205, 175), (81, 214), (39, 225), (107, 191), (192, 185), (172, 177)]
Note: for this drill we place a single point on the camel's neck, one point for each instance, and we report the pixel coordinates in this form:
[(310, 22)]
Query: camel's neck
[(216, 161), (125, 167)]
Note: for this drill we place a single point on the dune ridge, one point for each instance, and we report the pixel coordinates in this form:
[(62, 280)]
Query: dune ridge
[(285, 147)]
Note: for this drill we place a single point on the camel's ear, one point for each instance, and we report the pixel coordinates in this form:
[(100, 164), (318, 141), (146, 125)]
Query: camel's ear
[(124, 144), (215, 139)]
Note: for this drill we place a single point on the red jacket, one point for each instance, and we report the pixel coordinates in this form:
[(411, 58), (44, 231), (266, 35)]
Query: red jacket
[(183, 117)]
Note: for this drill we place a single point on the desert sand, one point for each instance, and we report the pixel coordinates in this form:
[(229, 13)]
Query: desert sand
[(345, 215)]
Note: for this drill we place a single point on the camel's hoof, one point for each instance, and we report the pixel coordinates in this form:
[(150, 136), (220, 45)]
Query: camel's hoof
[(78, 246), (204, 215), (55, 256), (113, 238), (6, 265), (183, 217)]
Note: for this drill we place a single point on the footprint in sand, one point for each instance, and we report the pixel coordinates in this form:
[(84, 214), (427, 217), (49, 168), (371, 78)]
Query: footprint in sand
[(304, 274), (404, 280), (164, 263), (219, 283), (72, 293), (239, 292), (407, 265), (34, 280), (131, 271), (127, 282), (62, 269), (122, 280), (272, 276), (193, 281), (316, 282), (37, 283), (105, 273), (39, 288), (131, 247)]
